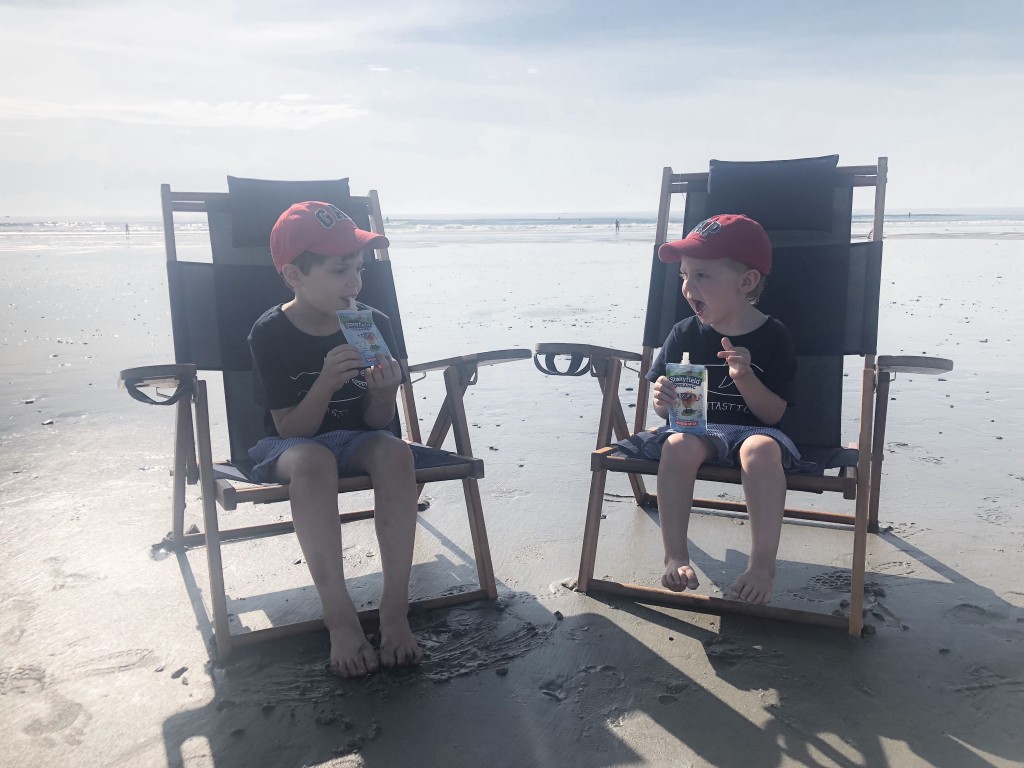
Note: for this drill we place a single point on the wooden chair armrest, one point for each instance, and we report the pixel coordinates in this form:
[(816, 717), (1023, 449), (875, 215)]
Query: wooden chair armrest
[(581, 357), (913, 364), (480, 358)]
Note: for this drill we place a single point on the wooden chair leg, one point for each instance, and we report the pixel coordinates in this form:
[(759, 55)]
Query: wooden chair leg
[(218, 598), (860, 527), (478, 531), (878, 448), (857, 572), (189, 443), (608, 371), (456, 381), (442, 423), (588, 555), (182, 448), (621, 430)]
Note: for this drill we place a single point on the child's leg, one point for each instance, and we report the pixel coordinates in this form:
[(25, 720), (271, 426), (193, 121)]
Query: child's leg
[(388, 461), (681, 457), (764, 486), (312, 473)]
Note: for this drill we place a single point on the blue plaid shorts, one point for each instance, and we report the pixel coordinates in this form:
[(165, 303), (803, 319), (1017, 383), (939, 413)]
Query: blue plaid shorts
[(726, 440), (342, 443)]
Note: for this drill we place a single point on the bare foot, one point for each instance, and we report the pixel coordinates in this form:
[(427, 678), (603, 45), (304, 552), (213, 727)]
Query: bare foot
[(351, 653), (753, 586), (679, 576), (398, 646)]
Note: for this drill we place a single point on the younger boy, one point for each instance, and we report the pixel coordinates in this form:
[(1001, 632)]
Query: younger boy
[(327, 415), (751, 365)]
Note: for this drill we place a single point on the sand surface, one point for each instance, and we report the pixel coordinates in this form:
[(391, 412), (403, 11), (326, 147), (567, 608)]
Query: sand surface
[(105, 657)]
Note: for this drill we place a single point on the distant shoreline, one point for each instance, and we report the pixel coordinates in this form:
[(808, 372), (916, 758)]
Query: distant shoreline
[(627, 217)]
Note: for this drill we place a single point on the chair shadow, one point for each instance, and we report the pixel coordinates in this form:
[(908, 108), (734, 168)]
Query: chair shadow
[(979, 625), (561, 679), (504, 683)]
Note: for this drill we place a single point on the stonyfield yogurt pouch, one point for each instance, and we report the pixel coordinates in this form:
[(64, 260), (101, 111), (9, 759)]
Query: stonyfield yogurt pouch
[(362, 333), (689, 413)]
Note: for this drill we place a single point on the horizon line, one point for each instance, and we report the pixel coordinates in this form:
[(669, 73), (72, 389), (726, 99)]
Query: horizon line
[(551, 215)]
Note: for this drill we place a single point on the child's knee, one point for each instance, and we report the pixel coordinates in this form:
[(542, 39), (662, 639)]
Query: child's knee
[(760, 452), (683, 452), (389, 454), (309, 464)]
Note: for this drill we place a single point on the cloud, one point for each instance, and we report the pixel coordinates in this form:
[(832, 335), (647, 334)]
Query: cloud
[(283, 113)]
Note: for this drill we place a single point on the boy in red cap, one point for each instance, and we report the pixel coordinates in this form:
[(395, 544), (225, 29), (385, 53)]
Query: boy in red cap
[(327, 415), (751, 365)]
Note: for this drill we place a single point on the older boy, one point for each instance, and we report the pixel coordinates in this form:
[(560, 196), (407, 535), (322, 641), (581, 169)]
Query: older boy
[(327, 415)]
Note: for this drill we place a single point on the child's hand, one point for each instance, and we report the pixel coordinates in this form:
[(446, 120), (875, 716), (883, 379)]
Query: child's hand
[(387, 374), (341, 364), (664, 393), (738, 359)]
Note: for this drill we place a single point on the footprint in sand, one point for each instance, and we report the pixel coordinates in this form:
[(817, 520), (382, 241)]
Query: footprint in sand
[(836, 579), (994, 516), (22, 680), (118, 661), (965, 613), (895, 568)]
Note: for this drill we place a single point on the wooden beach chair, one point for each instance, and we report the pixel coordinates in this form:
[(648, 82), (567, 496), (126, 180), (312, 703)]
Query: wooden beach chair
[(213, 306), (825, 288)]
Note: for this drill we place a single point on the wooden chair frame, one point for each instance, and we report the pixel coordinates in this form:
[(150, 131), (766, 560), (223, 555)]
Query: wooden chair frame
[(194, 462), (860, 483)]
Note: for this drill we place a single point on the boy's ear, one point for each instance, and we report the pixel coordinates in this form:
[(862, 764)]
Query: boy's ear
[(750, 279), (291, 274)]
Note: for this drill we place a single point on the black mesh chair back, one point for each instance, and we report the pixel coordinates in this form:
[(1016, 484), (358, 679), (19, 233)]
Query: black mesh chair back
[(824, 289), (215, 304)]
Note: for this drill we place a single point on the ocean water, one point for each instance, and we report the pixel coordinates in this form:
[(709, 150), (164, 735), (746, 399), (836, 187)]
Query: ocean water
[(430, 231)]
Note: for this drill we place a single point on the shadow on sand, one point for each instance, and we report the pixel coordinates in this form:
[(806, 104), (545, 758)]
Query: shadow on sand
[(565, 679)]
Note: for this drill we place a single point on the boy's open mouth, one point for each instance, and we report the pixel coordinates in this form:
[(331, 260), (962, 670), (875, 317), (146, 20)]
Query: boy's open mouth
[(698, 306)]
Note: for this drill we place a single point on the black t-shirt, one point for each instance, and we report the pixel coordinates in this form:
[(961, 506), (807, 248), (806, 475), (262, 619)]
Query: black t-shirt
[(287, 361), (772, 358)]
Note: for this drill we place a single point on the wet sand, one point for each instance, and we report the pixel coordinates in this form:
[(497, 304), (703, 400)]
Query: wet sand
[(105, 656)]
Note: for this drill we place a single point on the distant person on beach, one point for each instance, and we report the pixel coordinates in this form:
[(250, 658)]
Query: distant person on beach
[(616, 226), (327, 414), (126, 229), (751, 364)]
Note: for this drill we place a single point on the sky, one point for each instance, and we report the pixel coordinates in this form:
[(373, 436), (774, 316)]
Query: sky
[(468, 106)]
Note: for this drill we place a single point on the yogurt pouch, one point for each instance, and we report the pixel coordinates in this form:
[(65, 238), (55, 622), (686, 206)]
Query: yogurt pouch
[(362, 333), (689, 412)]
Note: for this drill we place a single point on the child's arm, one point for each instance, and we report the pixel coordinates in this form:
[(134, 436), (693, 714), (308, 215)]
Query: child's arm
[(303, 420), (768, 407), (382, 382)]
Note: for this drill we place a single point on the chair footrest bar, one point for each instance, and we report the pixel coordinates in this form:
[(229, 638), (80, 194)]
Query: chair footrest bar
[(268, 529), (370, 616), (839, 518), (708, 604)]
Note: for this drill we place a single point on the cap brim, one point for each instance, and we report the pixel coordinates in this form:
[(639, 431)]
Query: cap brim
[(346, 246), (371, 239), (691, 248)]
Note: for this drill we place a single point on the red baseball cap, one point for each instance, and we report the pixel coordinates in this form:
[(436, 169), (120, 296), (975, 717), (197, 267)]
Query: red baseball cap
[(320, 228), (727, 236)]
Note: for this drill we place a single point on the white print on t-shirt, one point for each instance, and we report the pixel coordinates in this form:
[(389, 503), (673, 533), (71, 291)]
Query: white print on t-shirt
[(306, 379), (723, 390), (336, 408)]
